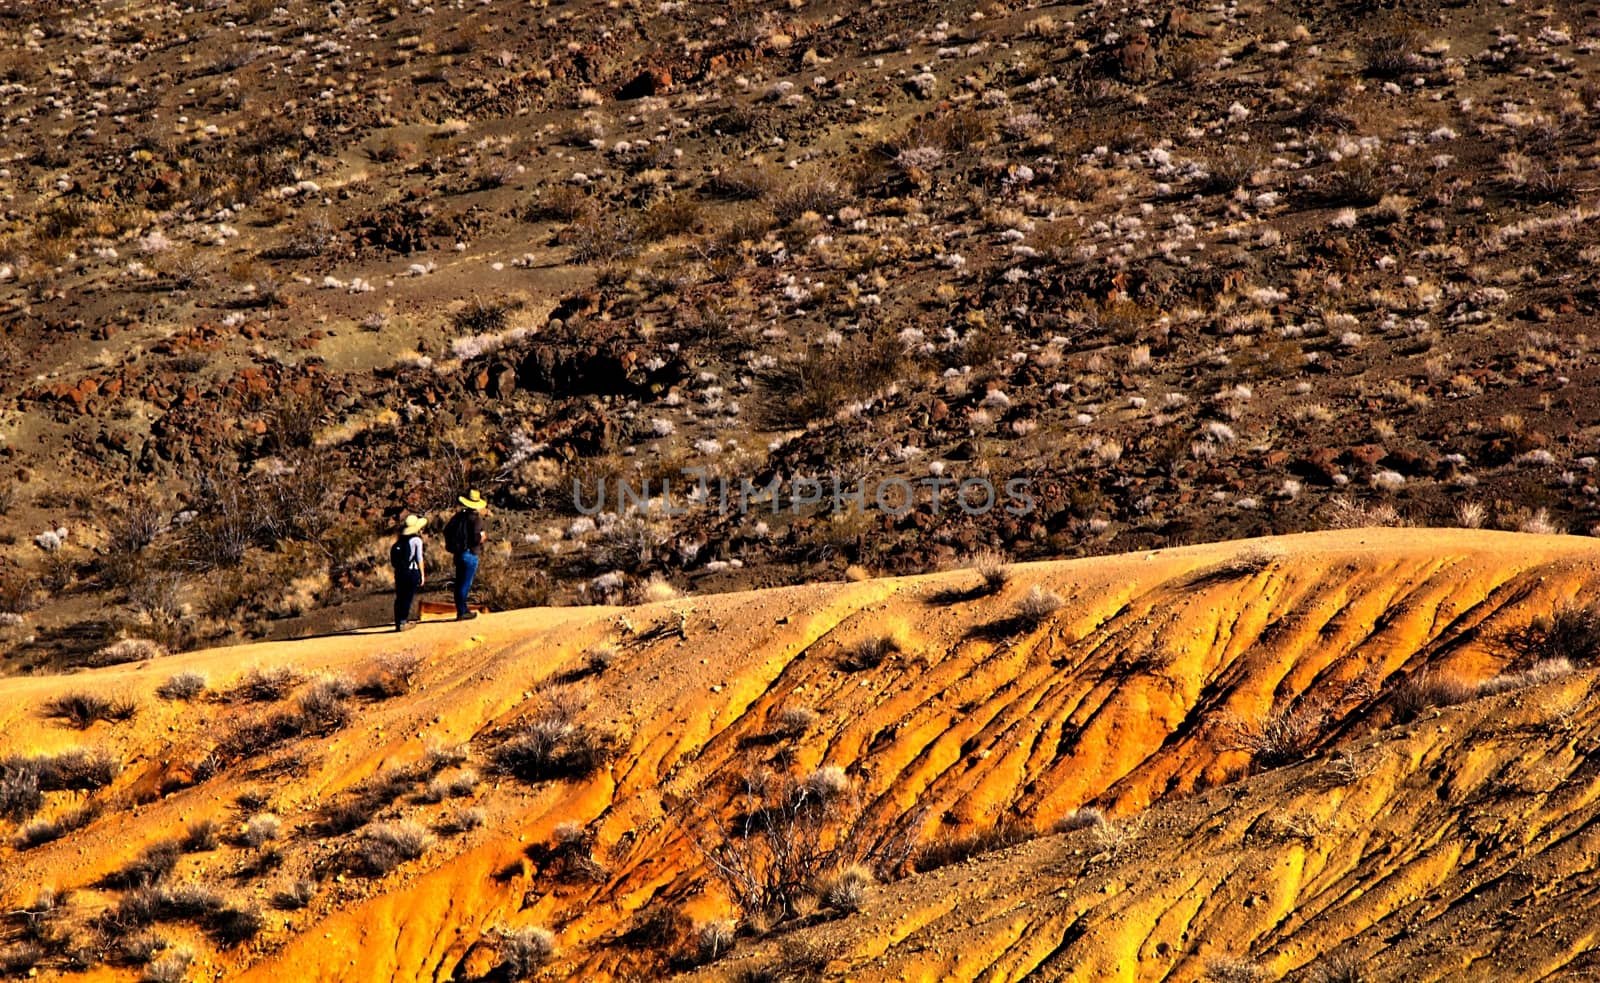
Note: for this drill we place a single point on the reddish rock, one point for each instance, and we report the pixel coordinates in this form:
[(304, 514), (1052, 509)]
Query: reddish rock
[(1366, 455)]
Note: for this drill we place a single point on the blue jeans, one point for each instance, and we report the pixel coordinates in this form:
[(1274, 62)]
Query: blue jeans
[(466, 570)]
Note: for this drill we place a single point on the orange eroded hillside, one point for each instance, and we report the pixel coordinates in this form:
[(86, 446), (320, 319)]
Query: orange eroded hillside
[(1145, 686), (1460, 848)]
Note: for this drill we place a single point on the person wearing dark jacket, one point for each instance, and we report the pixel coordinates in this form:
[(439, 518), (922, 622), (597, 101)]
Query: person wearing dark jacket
[(464, 538), (405, 556)]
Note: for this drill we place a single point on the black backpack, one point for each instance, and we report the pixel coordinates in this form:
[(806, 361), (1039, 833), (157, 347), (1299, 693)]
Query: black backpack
[(455, 534), (400, 555)]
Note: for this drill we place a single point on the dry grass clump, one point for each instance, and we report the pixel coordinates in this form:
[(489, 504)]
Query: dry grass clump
[(23, 781), (392, 676), (561, 203), (1392, 55), (1543, 671), (599, 660), (1346, 513), (260, 830), (1426, 690), (793, 721), (375, 794), (42, 831), (383, 848), (1037, 606), (569, 856), (869, 653), (484, 317), (1086, 818), (992, 566), (1288, 733), (183, 686), (450, 786), (554, 747), (460, 821), (1233, 970), (745, 182), (170, 968), (323, 709), (235, 926), (201, 836), (295, 897), (128, 650), (846, 890), (82, 710), (263, 686), (148, 869), (953, 850), (826, 379), (523, 951)]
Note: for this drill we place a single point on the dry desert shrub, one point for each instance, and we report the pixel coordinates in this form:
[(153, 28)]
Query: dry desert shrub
[(793, 721), (148, 869), (235, 926), (263, 686), (845, 890), (1234, 970), (392, 676), (201, 836), (260, 830), (1346, 513), (296, 896), (1037, 606), (992, 566), (170, 968), (1426, 690), (524, 950), (786, 836), (128, 650), (383, 848), (869, 653), (1288, 733), (460, 821), (826, 379), (561, 203), (42, 831), (22, 780), (1571, 631), (1085, 818), (82, 710), (1543, 671), (955, 849), (183, 687)]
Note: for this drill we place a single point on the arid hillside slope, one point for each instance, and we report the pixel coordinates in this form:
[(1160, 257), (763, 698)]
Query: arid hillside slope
[(1250, 737), (274, 272)]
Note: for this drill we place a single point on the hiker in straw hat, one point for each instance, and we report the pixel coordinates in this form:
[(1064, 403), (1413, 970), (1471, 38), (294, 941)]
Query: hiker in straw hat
[(405, 558), (464, 537)]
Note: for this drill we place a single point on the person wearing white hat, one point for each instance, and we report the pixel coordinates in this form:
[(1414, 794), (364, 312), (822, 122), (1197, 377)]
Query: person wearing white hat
[(405, 558)]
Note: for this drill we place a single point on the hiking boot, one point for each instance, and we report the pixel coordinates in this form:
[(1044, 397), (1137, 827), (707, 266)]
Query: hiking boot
[(467, 617)]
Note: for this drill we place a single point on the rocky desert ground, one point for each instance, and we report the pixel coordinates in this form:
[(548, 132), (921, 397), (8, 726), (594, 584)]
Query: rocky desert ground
[(1267, 325)]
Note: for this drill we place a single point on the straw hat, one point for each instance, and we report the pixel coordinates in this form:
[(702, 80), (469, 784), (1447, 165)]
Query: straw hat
[(413, 525), (473, 500)]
